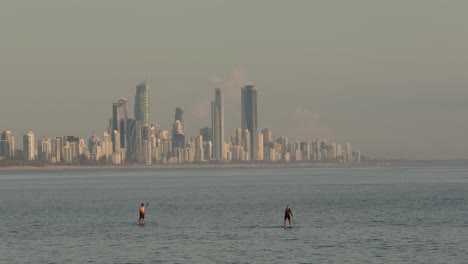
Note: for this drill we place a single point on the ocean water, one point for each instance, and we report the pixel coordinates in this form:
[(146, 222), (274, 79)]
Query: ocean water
[(235, 215)]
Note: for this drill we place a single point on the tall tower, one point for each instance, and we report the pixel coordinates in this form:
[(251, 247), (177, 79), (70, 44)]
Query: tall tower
[(217, 123), (142, 102), (179, 115), (249, 117), (29, 146), (119, 123)]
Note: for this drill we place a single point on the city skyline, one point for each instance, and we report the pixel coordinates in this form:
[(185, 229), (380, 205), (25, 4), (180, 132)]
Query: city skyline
[(388, 79), (139, 140)]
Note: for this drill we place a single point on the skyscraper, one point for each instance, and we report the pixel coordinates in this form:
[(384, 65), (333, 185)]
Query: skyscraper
[(179, 115), (238, 139), (57, 150), (107, 146), (146, 148), (260, 146), (119, 123), (207, 133), (142, 102), (267, 135), (94, 146), (247, 146), (135, 140), (249, 117), (44, 149), (7, 148), (199, 148), (217, 123), (349, 152), (178, 138), (29, 146)]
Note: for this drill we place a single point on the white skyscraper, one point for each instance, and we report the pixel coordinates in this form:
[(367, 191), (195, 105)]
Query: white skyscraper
[(57, 150), (247, 146), (260, 146), (199, 151), (29, 146), (44, 146), (107, 146), (217, 121)]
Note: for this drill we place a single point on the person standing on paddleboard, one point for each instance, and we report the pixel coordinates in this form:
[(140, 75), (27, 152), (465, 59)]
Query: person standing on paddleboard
[(142, 210), (287, 215)]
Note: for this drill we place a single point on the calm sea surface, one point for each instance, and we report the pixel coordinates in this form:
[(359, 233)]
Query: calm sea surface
[(235, 215)]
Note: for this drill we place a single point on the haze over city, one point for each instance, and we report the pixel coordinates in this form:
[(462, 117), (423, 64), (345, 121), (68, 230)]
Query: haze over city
[(391, 80)]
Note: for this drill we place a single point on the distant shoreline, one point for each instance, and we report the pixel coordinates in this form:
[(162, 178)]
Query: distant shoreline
[(380, 163), (172, 166)]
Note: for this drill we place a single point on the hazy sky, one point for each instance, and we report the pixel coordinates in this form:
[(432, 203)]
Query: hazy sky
[(390, 77)]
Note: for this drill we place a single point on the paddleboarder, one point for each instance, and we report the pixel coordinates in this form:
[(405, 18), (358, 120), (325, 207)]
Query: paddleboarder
[(142, 210), (287, 215)]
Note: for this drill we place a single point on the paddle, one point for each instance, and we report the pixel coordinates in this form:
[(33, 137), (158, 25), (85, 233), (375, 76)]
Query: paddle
[(292, 218)]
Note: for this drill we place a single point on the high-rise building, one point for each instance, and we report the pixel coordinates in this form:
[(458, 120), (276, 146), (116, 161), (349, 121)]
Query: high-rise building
[(316, 154), (67, 152), (7, 148), (238, 140), (29, 146), (164, 135), (249, 117), (206, 133), (44, 152), (94, 147), (208, 148), (305, 151), (332, 154), (142, 102), (179, 115), (146, 148), (107, 146), (199, 151), (282, 147), (349, 152), (73, 144), (339, 152), (119, 124), (83, 149), (217, 121), (135, 140), (260, 146), (267, 136), (247, 144), (57, 150), (117, 154), (178, 137)]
